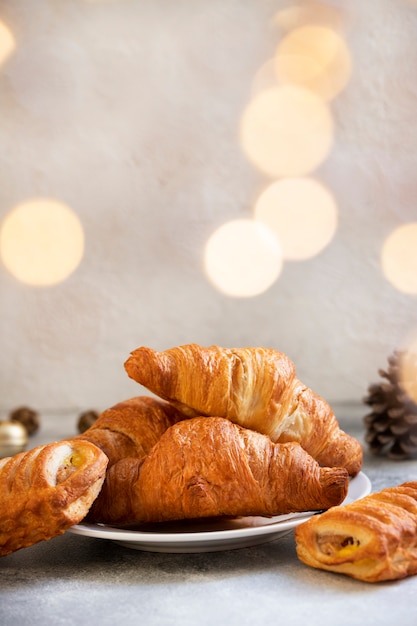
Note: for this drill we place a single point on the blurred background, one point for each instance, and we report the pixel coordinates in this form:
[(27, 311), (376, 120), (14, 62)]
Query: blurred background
[(233, 172)]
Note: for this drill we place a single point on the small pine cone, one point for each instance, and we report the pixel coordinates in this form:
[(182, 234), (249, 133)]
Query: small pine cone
[(86, 419), (27, 417), (391, 426)]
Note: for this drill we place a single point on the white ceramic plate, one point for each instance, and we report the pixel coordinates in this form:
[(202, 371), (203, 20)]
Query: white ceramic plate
[(212, 535)]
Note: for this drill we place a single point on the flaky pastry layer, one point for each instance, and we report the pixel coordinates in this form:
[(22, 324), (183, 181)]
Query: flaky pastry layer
[(256, 388), (373, 539), (46, 490), (211, 467)]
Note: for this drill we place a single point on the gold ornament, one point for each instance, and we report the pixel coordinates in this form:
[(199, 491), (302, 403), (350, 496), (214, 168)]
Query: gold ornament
[(13, 438)]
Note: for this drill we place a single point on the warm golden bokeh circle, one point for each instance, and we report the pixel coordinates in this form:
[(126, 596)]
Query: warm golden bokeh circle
[(311, 12), (242, 258), (265, 78), (303, 214), (41, 242), (315, 57), (399, 258), (286, 131), (7, 43), (408, 368)]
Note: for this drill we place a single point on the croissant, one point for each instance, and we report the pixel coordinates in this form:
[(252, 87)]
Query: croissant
[(212, 467), (372, 539), (46, 490), (131, 428), (256, 388)]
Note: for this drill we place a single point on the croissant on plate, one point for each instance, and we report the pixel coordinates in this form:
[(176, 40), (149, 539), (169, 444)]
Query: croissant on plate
[(46, 490), (210, 467), (131, 428), (256, 388), (372, 539)]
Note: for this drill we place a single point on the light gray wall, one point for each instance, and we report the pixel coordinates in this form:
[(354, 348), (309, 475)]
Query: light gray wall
[(128, 112)]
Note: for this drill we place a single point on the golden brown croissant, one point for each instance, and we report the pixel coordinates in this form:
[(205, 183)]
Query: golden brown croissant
[(46, 490), (372, 539), (254, 387), (211, 467), (131, 428)]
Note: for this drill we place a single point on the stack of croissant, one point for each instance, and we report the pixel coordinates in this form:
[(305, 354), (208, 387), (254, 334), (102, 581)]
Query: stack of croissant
[(230, 432), (233, 432), (227, 432)]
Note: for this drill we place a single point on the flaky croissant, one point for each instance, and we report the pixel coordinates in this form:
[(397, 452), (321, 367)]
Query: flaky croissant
[(254, 387), (46, 490), (131, 428), (204, 467), (372, 539)]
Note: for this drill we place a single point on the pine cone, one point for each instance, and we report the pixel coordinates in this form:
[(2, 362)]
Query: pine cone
[(391, 427), (27, 417), (86, 419)]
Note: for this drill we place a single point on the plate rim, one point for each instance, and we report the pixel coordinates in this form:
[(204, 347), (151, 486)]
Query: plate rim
[(277, 525)]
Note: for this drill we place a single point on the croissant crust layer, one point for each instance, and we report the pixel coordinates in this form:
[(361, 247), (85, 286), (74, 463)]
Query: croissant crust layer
[(46, 490), (131, 428), (211, 467), (256, 388), (372, 539)]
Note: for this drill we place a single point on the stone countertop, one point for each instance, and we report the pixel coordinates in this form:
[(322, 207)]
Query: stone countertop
[(77, 580)]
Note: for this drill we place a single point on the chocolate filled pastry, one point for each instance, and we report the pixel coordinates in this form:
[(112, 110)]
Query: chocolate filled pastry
[(211, 468), (256, 388), (46, 490), (372, 539), (131, 428)]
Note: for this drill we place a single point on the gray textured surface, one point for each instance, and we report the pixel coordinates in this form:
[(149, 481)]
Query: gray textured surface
[(74, 580)]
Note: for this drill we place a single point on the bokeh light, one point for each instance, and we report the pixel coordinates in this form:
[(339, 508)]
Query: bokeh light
[(243, 258), (286, 131), (399, 258), (288, 18), (313, 12), (265, 78), (302, 212), (408, 368), (315, 57), (7, 43), (41, 242)]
